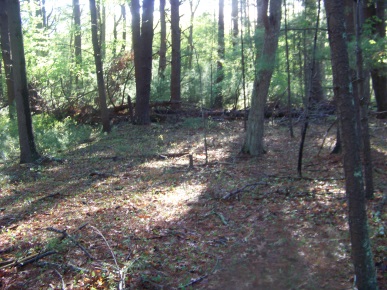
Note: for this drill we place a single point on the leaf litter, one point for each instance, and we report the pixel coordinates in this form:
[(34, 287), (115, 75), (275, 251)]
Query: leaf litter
[(126, 211)]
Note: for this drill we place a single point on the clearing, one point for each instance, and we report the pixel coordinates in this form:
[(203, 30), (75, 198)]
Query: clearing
[(125, 210)]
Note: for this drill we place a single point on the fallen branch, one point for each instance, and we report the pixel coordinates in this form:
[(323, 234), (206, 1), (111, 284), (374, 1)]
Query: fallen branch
[(245, 188), (222, 218), (66, 235), (27, 260)]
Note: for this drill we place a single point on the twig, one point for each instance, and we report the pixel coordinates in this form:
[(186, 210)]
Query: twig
[(222, 218), (121, 271), (201, 278), (66, 235), (61, 277), (243, 189)]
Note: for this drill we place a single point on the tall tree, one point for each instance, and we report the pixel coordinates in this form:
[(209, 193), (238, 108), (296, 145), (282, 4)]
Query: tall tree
[(99, 68), (313, 81), (376, 15), (176, 56), (255, 126), (77, 36), (123, 13), (218, 102), (361, 249), (163, 41), (235, 22), (6, 54), (28, 152), (101, 12), (142, 35)]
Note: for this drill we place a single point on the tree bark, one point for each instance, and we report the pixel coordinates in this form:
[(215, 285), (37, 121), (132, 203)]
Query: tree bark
[(218, 102), (235, 22), (255, 126), (142, 35), (376, 10), (163, 41), (123, 13), (28, 152), (99, 68), (358, 226), (77, 37), (176, 58), (7, 60)]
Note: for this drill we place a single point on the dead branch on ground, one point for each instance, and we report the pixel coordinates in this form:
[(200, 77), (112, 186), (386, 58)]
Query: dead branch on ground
[(67, 235), (245, 188)]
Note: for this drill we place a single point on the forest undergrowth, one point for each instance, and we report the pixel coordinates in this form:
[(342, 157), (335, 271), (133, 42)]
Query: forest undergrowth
[(127, 211)]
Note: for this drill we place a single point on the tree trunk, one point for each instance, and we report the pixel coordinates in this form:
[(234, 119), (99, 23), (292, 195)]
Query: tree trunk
[(235, 22), (123, 13), (176, 63), (77, 37), (102, 27), (255, 127), (28, 152), (364, 100), (6, 54), (163, 41), (361, 249), (218, 102), (289, 94), (142, 46), (376, 10), (99, 68)]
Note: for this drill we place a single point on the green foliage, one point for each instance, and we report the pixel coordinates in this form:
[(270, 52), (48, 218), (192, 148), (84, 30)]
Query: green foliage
[(52, 136)]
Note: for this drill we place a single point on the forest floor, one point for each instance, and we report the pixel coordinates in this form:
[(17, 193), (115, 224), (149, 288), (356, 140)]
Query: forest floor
[(126, 211)]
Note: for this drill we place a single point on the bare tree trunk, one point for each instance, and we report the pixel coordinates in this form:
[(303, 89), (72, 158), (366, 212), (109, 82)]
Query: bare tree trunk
[(99, 68), (255, 126), (364, 104), (289, 95), (6, 54), (218, 102), (142, 35), (123, 13), (163, 41), (77, 37), (235, 22), (376, 15), (176, 60), (358, 226), (28, 152), (102, 26)]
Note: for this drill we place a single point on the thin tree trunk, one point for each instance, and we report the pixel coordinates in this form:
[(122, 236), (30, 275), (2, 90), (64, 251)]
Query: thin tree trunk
[(358, 226), (364, 104), (28, 152), (6, 54), (235, 22), (102, 27), (176, 60), (310, 92), (218, 102), (376, 12), (163, 41), (288, 75), (255, 127), (77, 37), (99, 68), (123, 13)]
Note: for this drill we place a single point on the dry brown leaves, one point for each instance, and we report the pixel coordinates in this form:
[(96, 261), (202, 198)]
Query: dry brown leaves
[(150, 222)]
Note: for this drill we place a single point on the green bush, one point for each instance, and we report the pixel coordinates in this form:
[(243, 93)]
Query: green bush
[(51, 136)]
